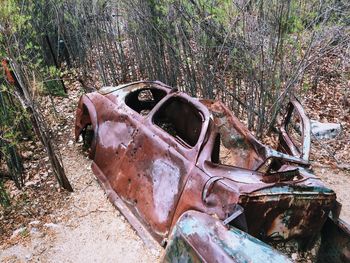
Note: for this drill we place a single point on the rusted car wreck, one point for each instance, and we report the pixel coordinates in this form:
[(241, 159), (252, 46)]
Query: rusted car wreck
[(188, 172)]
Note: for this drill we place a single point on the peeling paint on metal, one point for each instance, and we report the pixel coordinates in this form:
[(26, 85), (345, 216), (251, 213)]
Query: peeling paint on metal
[(165, 177), (160, 177)]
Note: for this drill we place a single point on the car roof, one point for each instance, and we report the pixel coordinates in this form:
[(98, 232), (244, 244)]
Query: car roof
[(135, 85)]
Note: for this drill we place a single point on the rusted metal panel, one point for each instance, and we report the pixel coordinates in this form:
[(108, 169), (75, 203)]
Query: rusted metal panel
[(291, 202), (335, 242), (286, 142), (198, 237), (162, 153), (288, 211), (115, 199)]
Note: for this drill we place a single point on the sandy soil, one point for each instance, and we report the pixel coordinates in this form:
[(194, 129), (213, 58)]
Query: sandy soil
[(87, 228), (339, 181)]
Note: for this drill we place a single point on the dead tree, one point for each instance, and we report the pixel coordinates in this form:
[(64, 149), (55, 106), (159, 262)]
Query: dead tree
[(39, 125)]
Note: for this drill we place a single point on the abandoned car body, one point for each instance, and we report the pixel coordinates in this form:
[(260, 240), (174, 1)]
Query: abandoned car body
[(168, 158)]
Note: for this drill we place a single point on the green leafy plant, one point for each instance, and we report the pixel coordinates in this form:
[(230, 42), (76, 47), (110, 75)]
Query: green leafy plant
[(53, 85)]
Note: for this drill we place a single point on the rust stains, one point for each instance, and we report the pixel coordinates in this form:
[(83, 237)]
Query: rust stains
[(161, 153)]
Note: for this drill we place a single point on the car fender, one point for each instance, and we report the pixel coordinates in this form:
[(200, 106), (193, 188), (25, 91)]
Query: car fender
[(198, 237), (86, 114)]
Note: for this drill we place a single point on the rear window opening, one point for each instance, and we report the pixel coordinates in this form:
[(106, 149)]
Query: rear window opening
[(144, 100), (181, 120)]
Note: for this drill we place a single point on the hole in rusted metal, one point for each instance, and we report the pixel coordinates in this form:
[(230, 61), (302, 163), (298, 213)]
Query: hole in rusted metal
[(143, 101)]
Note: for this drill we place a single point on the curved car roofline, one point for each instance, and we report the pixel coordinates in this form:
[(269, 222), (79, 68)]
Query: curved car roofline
[(171, 92), (110, 89)]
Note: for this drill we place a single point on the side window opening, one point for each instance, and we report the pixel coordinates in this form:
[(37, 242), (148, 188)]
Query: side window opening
[(231, 151), (181, 120), (144, 100)]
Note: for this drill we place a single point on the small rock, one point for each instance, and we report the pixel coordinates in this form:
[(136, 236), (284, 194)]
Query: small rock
[(80, 139), (70, 143), (121, 227), (34, 230), (51, 225), (28, 257), (35, 222), (294, 256), (31, 183), (155, 252), (27, 155), (325, 130), (45, 175), (18, 231)]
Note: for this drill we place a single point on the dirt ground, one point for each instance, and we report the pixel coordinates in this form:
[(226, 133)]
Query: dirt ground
[(329, 101), (85, 227), (339, 181)]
